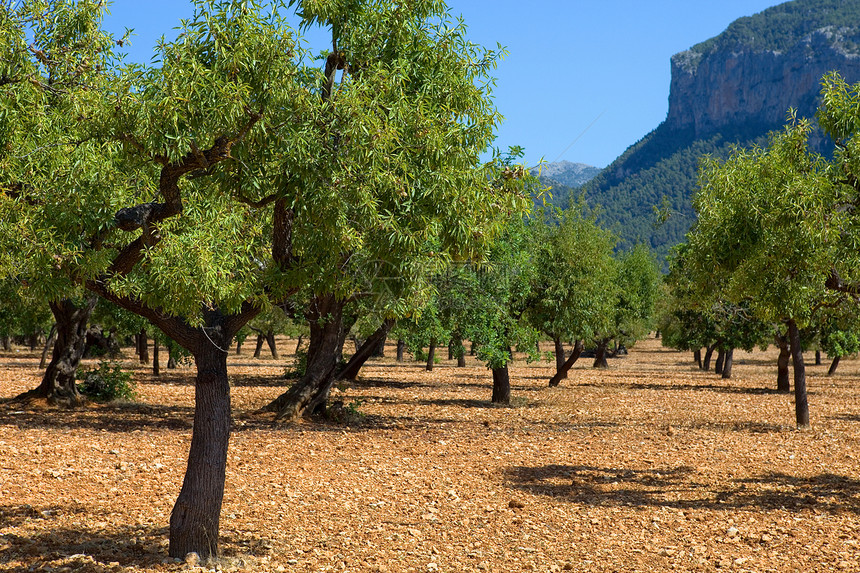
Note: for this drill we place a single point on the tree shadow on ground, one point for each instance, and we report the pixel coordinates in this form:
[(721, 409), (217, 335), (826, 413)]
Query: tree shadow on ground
[(703, 387), (82, 549), (120, 417), (86, 549), (681, 488)]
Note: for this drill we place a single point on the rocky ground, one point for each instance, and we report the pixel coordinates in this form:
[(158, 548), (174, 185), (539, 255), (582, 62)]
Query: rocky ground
[(648, 466)]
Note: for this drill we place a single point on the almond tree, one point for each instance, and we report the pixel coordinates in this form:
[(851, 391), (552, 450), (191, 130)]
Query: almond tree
[(234, 175), (762, 236)]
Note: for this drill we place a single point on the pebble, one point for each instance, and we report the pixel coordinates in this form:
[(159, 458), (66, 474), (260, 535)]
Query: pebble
[(732, 532), (192, 559)]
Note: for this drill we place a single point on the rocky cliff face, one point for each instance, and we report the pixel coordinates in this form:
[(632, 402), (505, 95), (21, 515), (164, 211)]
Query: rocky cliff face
[(722, 87)]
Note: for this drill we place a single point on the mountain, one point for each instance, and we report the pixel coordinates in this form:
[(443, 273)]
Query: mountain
[(731, 89), (566, 173)]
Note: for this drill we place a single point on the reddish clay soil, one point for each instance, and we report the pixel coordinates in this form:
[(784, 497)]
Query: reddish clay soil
[(650, 465)]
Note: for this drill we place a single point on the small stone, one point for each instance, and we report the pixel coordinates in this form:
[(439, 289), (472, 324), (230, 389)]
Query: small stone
[(766, 538), (516, 504), (192, 559), (844, 565), (741, 560), (732, 532)]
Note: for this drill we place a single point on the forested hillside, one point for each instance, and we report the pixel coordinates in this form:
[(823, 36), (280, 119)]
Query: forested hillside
[(731, 89)]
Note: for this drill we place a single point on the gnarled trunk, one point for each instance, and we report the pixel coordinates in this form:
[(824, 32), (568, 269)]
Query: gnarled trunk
[(270, 340), (195, 517), (697, 357), (310, 392), (709, 352), (600, 354), (366, 351), (833, 365), (58, 383), (261, 340), (501, 386), (52, 338), (156, 367), (431, 355), (559, 354), (783, 384), (801, 405), (401, 346), (727, 363), (721, 356), (561, 371)]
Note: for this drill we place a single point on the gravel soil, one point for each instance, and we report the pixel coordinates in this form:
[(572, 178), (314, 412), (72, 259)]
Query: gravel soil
[(650, 465)]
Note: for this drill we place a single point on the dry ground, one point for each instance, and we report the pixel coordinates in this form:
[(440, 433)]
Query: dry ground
[(649, 466)]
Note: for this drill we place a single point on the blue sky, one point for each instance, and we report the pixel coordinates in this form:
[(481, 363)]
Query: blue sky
[(583, 80)]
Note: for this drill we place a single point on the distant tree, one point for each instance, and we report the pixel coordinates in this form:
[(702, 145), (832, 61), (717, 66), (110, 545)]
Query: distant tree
[(573, 293)]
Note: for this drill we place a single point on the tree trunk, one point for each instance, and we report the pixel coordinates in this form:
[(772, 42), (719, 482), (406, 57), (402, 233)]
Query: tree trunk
[(366, 351), (261, 339), (195, 517), (801, 405), (697, 357), (818, 358), (310, 392), (451, 349), (156, 367), (600, 355), (299, 343), (379, 351), (501, 385), (727, 363), (783, 384), (48, 345), (833, 365), (559, 355), (239, 346), (721, 356), (561, 371), (58, 383), (270, 339), (4, 341), (459, 350), (171, 361), (144, 346), (709, 352), (401, 345), (431, 355)]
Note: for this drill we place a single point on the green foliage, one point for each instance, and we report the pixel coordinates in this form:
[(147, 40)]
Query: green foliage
[(299, 366), (106, 383), (573, 295), (781, 27)]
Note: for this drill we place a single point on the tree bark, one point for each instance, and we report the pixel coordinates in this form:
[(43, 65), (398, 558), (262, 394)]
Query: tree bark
[(451, 349), (783, 384), (261, 339), (144, 346), (600, 355), (818, 358), (270, 339), (559, 354), (801, 404), (697, 357), (239, 346), (501, 385), (156, 367), (195, 518), (709, 352), (721, 356), (401, 346), (833, 365), (366, 351), (561, 371), (48, 345), (299, 343), (431, 355), (379, 351), (310, 392), (727, 363), (58, 385)]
